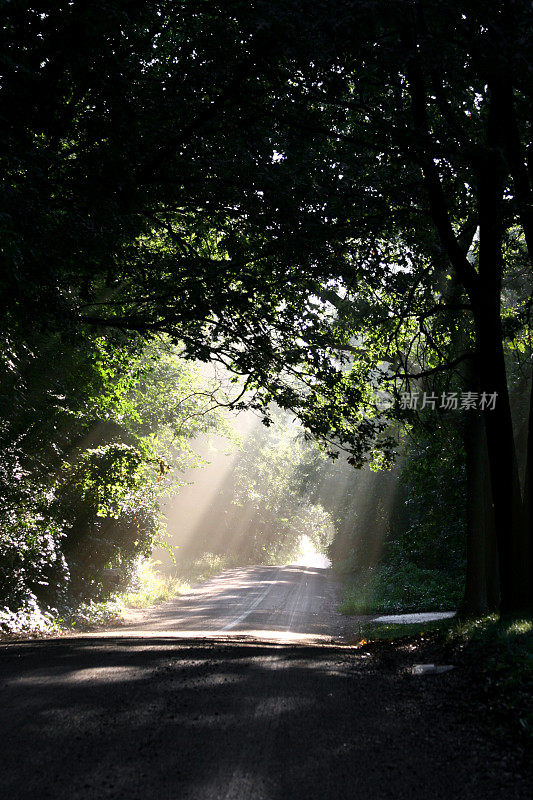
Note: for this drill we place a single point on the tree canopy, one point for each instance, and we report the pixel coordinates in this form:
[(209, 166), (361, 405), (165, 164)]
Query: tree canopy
[(329, 198)]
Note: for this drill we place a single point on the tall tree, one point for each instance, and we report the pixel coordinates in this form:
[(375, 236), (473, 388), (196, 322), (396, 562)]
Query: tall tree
[(216, 171)]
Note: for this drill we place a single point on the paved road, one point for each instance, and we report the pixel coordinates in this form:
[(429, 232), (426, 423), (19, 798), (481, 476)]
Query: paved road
[(290, 603), (147, 715)]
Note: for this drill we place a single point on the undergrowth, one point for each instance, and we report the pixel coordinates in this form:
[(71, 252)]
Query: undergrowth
[(400, 588), (151, 587), (148, 587), (495, 655), (500, 649)]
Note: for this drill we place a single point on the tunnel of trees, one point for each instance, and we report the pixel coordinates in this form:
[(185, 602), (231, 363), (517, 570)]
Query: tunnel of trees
[(330, 201)]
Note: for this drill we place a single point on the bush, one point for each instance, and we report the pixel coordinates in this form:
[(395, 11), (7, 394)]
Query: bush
[(151, 587), (399, 588), (28, 618)]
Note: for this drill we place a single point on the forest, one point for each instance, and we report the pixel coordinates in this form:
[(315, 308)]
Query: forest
[(314, 216)]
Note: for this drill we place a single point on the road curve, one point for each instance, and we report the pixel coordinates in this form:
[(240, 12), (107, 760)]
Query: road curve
[(288, 603)]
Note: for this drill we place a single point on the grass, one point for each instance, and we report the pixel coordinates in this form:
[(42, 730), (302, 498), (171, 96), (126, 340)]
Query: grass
[(500, 649), (152, 587), (497, 652), (505, 631), (495, 655), (373, 631), (149, 588), (204, 567), (400, 588), (91, 614)]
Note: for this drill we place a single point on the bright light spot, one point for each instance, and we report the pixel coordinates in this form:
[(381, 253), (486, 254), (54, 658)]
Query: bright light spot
[(406, 619), (310, 556)]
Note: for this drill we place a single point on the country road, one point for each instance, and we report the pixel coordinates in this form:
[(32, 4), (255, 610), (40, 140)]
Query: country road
[(241, 690), (274, 603)]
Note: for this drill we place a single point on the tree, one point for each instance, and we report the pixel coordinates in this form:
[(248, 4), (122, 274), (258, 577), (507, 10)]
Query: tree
[(93, 433), (263, 507), (221, 176), (433, 133)]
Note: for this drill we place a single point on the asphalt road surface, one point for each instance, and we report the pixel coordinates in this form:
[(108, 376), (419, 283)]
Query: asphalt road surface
[(241, 690), (290, 603)]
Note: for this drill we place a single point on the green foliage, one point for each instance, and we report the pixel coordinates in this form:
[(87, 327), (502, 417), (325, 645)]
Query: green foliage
[(29, 616), (263, 509), (421, 567), (376, 631), (149, 587), (429, 527), (284, 190), (99, 433), (88, 615), (315, 522), (196, 570), (31, 556), (266, 491), (230, 189), (399, 588), (107, 477), (500, 649)]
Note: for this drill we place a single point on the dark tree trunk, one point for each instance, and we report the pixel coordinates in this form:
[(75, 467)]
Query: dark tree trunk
[(486, 299), (482, 589), (492, 572), (528, 501), (475, 597), (482, 583), (484, 289), (505, 492), (520, 163), (505, 483)]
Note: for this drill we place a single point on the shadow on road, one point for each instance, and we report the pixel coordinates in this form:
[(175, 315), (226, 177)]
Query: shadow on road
[(137, 718)]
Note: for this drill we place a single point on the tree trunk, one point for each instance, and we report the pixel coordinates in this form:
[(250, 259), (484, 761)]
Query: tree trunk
[(482, 587), (486, 299), (505, 483), (528, 500), (482, 583), (475, 597), (492, 572)]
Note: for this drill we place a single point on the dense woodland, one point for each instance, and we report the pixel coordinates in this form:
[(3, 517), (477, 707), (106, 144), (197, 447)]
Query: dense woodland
[(332, 203)]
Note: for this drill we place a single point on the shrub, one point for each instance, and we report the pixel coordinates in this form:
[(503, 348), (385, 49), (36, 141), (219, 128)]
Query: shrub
[(398, 588)]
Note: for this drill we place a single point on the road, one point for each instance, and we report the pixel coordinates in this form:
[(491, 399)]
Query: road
[(240, 691), (289, 603)]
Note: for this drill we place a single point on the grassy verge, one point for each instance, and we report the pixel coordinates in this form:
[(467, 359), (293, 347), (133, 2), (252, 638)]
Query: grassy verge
[(500, 652), (495, 656), (400, 588), (204, 567), (152, 587), (149, 587), (377, 632)]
